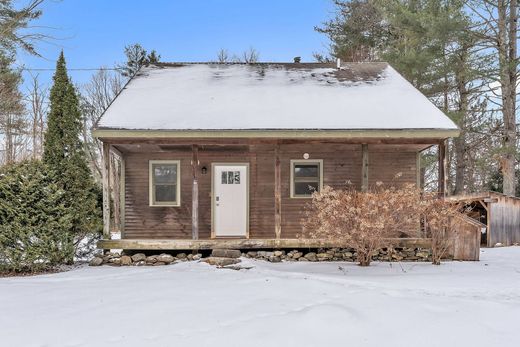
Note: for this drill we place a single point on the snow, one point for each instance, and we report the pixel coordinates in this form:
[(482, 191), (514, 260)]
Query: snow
[(284, 304), (243, 97)]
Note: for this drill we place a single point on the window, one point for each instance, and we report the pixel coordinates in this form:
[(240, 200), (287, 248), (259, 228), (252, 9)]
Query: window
[(165, 178), (306, 177)]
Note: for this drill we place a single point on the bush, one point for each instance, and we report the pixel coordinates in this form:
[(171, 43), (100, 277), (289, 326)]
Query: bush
[(35, 226), (365, 221), (369, 221)]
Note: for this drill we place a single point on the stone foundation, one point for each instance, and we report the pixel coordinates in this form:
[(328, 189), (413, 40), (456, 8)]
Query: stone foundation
[(343, 254), (275, 256)]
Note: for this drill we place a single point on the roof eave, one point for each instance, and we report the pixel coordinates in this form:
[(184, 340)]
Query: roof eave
[(278, 133)]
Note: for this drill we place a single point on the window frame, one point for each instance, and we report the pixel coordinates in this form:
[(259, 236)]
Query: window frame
[(152, 202), (294, 162)]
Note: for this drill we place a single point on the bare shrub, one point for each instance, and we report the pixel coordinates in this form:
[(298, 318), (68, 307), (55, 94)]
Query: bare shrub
[(369, 221), (365, 221), (439, 216)]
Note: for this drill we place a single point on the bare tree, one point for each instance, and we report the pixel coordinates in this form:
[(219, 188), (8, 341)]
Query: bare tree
[(250, 56), (37, 109), (223, 55)]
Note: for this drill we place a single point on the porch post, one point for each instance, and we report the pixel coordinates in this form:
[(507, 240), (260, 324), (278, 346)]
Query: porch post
[(364, 168), (195, 193), (277, 193), (105, 171), (442, 168)]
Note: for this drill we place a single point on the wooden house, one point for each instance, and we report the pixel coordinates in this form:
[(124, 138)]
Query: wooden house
[(227, 155), (498, 213)]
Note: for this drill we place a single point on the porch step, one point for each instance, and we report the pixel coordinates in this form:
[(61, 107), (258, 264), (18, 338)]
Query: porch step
[(226, 253)]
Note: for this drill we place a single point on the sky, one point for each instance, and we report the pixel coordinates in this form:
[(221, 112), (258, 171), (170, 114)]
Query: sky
[(93, 33)]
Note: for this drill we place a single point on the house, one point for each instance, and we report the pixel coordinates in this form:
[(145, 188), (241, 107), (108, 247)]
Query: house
[(227, 155), (498, 213)]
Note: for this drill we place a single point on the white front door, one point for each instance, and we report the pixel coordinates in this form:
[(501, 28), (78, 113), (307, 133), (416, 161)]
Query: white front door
[(230, 200)]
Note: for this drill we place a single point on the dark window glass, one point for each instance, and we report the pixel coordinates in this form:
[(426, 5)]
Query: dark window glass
[(305, 188), (164, 182), (306, 170), (165, 193), (224, 177), (165, 173), (306, 179)]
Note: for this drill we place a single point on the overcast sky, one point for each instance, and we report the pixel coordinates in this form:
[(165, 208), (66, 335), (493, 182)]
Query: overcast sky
[(93, 33)]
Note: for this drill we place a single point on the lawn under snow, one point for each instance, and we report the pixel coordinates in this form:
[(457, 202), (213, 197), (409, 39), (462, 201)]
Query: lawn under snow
[(283, 304)]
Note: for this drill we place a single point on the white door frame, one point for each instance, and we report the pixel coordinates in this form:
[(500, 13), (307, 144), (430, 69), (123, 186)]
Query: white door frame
[(246, 165)]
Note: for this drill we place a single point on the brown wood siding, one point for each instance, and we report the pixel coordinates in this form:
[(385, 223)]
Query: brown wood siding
[(341, 164), (504, 223)]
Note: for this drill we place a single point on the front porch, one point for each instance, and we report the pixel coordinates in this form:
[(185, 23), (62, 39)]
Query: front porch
[(274, 214)]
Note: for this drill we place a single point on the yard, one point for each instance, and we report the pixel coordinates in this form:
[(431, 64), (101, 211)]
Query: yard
[(283, 304)]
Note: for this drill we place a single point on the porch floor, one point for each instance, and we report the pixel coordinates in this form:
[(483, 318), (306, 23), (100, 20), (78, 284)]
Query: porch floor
[(187, 244)]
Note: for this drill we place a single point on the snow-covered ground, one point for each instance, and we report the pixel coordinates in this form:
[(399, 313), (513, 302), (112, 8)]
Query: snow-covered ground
[(283, 304)]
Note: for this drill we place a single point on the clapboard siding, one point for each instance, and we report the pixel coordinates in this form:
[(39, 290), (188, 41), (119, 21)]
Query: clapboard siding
[(504, 223), (341, 167)]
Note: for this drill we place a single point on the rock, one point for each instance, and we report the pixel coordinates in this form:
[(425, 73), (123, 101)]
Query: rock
[(347, 255), (197, 256), (422, 254), (96, 261), (158, 263), (126, 260), (140, 263), (190, 256), (116, 261), (251, 254), (275, 259), (226, 253), (278, 253), (181, 256), (297, 255), (311, 256), (138, 257), (303, 259), (151, 259), (221, 261), (499, 244), (165, 258), (324, 256)]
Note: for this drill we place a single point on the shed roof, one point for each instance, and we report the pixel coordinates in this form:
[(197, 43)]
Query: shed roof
[(272, 96)]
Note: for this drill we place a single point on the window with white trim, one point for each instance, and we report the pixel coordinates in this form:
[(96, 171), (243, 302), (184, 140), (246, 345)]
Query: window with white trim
[(165, 179), (306, 177)]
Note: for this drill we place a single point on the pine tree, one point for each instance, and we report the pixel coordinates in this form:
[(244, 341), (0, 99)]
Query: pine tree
[(64, 155), (137, 57)]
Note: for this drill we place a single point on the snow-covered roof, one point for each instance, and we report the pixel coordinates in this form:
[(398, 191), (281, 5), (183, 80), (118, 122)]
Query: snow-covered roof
[(271, 96)]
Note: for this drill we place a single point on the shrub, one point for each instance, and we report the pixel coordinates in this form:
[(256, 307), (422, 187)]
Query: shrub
[(439, 216), (35, 225), (369, 221), (365, 221)]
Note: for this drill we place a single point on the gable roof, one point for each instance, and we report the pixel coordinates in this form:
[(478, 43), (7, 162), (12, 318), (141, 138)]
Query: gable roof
[(207, 97)]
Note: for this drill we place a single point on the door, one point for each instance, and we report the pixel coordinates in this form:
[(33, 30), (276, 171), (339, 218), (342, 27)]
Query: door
[(230, 200)]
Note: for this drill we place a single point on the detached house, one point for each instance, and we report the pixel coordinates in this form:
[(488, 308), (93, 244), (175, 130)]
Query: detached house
[(227, 155)]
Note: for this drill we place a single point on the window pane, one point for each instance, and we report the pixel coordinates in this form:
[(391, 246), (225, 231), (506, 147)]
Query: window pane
[(165, 173), (224, 177), (237, 177), (306, 170), (306, 188), (165, 193)]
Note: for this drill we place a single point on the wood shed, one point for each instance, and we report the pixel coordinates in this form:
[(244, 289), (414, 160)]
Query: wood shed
[(498, 212)]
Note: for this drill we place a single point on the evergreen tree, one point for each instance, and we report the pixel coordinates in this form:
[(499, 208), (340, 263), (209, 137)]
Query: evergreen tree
[(34, 221), (64, 155), (137, 57)]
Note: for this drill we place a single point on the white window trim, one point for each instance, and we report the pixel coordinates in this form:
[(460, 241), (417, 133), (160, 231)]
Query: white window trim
[(305, 161), (153, 203)]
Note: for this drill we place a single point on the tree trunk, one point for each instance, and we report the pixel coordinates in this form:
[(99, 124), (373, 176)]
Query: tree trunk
[(507, 31)]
